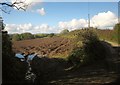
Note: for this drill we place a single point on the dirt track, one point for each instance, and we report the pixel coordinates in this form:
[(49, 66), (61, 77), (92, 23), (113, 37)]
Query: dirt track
[(104, 72), (99, 73)]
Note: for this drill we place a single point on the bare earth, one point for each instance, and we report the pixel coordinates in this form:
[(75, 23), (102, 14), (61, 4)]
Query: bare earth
[(99, 73), (44, 46)]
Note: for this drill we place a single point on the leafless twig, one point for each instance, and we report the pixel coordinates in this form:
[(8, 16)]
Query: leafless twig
[(19, 5)]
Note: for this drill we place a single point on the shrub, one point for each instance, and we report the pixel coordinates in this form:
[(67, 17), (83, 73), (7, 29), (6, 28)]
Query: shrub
[(25, 36), (65, 31), (76, 56), (16, 37), (89, 36), (51, 35), (116, 33), (91, 51), (95, 51)]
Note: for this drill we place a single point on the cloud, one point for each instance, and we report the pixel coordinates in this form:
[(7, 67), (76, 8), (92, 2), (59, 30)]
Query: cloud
[(73, 24), (21, 28), (41, 11), (104, 19), (26, 4), (27, 1), (101, 20)]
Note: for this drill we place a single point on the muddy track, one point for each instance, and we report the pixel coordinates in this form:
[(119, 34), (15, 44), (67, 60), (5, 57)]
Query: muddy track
[(100, 73)]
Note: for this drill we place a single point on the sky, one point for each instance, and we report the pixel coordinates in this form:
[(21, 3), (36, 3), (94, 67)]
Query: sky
[(53, 17)]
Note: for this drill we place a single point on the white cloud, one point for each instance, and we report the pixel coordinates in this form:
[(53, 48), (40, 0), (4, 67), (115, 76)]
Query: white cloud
[(13, 28), (104, 19), (101, 20), (73, 24), (41, 11), (26, 3)]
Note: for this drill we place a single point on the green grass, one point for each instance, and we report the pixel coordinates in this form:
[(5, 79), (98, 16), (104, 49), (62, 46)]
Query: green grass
[(63, 56), (105, 35)]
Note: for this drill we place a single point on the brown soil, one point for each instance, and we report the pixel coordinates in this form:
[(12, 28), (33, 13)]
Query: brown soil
[(44, 46), (100, 73)]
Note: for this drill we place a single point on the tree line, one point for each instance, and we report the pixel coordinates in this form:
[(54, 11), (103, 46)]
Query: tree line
[(27, 36), (106, 34)]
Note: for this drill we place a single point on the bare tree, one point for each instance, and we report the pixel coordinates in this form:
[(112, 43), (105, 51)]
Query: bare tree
[(17, 4)]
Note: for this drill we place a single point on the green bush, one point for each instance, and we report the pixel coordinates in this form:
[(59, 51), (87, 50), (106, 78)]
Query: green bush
[(16, 37), (89, 36), (51, 35), (40, 35), (116, 33), (84, 36), (91, 51), (65, 31), (76, 56), (95, 51), (25, 36)]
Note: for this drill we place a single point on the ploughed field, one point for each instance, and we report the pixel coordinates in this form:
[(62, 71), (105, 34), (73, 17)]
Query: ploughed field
[(56, 71), (44, 46)]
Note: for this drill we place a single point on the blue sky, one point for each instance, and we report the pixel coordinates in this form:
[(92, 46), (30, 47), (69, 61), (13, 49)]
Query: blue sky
[(65, 12), (61, 11)]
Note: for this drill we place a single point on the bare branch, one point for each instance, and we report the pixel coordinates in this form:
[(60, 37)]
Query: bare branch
[(10, 5), (19, 5)]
